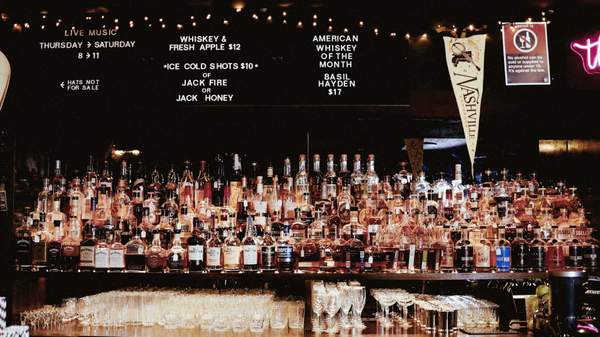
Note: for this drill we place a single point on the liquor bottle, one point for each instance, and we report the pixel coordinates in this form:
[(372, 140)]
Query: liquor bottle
[(235, 182), (355, 229), (176, 256), (302, 183), (87, 248), (203, 187), (44, 198), (135, 255), (165, 229), (555, 256), (144, 229), (591, 253), (24, 246), (484, 252), (70, 246), (574, 258), (125, 232), (357, 178), (458, 190), (116, 252), (330, 179), (371, 178), (76, 199), (463, 253), (537, 253), (232, 248), (155, 255), (121, 202), (41, 236), (276, 226), (344, 176), (89, 197), (334, 219), (195, 248), (172, 181), (250, 248), (446, 248), (355, 256), (284, 250), (308, 253), (298, 227), (519, 252), (316, 178), (102, 251), (55, 213), (170, 206), (54, 261), (186, 186), (218, 188), (185, 222), (267, 252), (339, 253), (57, 180), (502, 251), (214, 258)]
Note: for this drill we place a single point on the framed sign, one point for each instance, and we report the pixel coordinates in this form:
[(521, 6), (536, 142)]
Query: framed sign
[(526, 60)]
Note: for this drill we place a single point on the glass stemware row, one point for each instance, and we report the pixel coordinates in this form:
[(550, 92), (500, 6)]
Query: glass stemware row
[(337, 302)]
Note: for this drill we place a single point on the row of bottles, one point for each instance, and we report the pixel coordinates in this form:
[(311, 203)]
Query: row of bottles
[(338, 221)]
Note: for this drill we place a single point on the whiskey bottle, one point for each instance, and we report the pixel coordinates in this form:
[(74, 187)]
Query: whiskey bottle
[(176, 256), (218, 188), (502, 251), (355, 256), (87, 248), (250, 248), (519, 252), (101, 251), (267, 252), (54, 261), (70, 246), (285, 251), (302, 183), (357, 178), (214, 256), (231, 252), (186, 186), (24, 245), (371, 180), (344, 176), (195, 248), (235, 182), (298, 227), (315, 178), (537, 253), (116, 253), (135, 255), (464, 261), (308, 254), (155, 255)]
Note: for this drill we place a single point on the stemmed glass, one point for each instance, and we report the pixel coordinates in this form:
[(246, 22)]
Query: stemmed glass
[(333, 304), (386, 298), (318, 300), (358, 296), (404, 300), (346, 304)]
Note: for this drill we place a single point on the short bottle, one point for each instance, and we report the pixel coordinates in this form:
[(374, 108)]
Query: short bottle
[(267, 252), (463, 253), (214, 252), (70, 246), (519, 252), (87, 248), (502, 252), (24, 246), (135, 259), (232, 248), (101, 252), (116, 254), (155, 255), (285, 251)]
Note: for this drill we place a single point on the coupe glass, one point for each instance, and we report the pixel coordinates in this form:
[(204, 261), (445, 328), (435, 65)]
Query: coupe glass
[(404, 300)]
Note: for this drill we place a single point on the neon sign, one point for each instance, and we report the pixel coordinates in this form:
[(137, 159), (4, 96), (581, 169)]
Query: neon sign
[(589, 50)]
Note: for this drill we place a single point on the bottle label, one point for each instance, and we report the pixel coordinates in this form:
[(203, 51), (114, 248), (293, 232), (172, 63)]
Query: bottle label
[(503, 258), (411, 258), (268, 257), (87, 254), (116, 259), (213, 256), (101, 257), (70, 250), (135, 250), (482, 257), (53, 255), (175, 261), (196, 253), (298, 234), (285, 253), (155, 261), (373, 229), (250, 255), (232, 255)]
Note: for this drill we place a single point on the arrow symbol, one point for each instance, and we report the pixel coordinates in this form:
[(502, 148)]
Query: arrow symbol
[(62, 84), (87, 55), (89, 44)]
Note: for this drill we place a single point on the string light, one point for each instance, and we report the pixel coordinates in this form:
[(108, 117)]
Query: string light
[(192, 17), (149, 25), (225, 22), (26, 25), (361, 23), (88, 18), (57, 23), (208, 16), (407, 36), (104, 26), (238, 9), (254, 16), (116, 20), (314, 16), (376, 31), (330, 20), (471, 27), (160, 19), (131, 23), (72, 27), (329, 29), (179, 26), (392, 34), (345, 30), (269, 19), (529, 19), (284, 13), (163, 26), (145, 18), (43, 27), (424, 36), (116, 27), (102, 17), (284, 21), (299, 24), (44, 17), (314, 24), (194, 24)]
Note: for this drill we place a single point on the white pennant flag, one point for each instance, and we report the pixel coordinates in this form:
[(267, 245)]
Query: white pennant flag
[(464, 57)]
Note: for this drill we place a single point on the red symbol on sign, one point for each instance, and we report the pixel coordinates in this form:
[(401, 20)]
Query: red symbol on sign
[(589, 51), (525, 40)]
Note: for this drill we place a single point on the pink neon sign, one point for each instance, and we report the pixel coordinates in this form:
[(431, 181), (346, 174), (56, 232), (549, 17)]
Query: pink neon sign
[(588, 49)]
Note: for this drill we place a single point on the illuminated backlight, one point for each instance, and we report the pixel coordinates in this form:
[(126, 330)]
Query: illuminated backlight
[(589, 50)]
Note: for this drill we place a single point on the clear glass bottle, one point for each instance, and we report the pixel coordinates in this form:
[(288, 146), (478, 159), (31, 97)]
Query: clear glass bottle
[(186, 186), (70, 246), (484, 251), (232, 249), (268, 252), (463, 253), (155, 255), (176, 255), (41, 236), (315, 179), (344, 176), (102, 251), (302, 182), (298, 227), (371, 177), (116, 255), (250, 248), (357, 178)]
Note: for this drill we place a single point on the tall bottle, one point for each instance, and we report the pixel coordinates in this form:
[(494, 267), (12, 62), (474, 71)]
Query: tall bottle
[(235, 182), (24, 246), (54, 260), (70, 245), (232, 248), (195, 248), (372, 179), (250, 248), (87, 248), (302, 183), (357, 178), (464, 261), (116, 252), (502, 251), (214, 256), (186, 186), (537, 253), (484, 251), (219, 182), (316, 179), (101, 251), (41, 236), (285, 250), (519, 252), (267, 252)]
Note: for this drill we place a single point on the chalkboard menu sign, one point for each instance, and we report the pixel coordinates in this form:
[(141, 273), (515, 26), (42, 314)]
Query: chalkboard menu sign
[(210, 62)]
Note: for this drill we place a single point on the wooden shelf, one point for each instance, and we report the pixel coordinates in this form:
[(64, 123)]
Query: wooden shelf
[(103, 276)]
